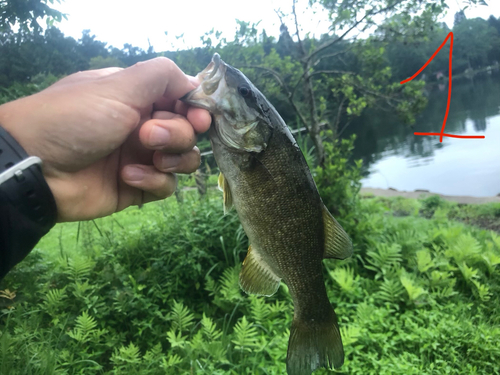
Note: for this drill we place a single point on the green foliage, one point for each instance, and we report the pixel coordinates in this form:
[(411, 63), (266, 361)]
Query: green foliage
[(19, 90), (26, 14), (162, 297), (338, 180)]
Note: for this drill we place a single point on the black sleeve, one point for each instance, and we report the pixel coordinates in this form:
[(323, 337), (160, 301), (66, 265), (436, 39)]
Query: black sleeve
[(18, 236), (27, 207)]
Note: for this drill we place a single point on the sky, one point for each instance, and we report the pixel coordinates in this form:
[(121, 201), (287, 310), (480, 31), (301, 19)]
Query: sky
[(143, 23)]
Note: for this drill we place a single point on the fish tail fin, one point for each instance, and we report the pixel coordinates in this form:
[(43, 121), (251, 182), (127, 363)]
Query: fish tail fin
[(314, 344)]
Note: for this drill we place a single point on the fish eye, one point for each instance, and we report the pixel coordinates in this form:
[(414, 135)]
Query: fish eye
[(244, 91)]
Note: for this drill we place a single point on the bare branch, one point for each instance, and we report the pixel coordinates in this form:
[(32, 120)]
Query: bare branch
[(355, 25), (297, 29), (339, 113), (332, 55), (329, 72), (284, 86), (280, 15), (274, 73), (344, 128)]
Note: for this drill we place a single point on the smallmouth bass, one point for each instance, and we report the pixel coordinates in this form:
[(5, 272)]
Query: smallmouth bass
[(265, 177)]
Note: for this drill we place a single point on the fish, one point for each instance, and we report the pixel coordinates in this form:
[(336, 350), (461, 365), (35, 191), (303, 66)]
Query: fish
[(265, 177)]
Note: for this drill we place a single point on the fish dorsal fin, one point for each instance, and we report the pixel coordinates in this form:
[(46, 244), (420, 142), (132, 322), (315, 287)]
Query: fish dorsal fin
[(338, 245), (256, 277), (228, 198)]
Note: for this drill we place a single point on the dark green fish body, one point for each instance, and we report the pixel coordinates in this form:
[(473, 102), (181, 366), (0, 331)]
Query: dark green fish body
[(266, 178)]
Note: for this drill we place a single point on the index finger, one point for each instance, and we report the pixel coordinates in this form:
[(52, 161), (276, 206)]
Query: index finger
[(146, 82)]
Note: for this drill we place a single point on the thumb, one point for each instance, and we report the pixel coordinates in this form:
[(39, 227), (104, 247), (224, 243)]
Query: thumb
[(145, 82)]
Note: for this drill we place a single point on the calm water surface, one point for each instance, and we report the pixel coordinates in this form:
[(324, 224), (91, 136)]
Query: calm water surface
[(398, 159)]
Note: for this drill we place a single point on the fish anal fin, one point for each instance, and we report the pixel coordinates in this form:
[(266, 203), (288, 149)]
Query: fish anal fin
[(224, 187), (338, 245), (256, 277)]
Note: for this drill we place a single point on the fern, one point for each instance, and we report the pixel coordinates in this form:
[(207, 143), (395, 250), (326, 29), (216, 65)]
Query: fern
[(53, 300), (491, 258), (465, 249), (468, 273), (176, 339), (424, 260), (229, 285), (181, 317), (260, 310), (345, 278), (85, 326), (126, 355), (384, 258), (391, 290), (79, 267), (350, 334), (364, 313), (210, 329), (441, 280), (483, 291), (414, 291), (245, 335), (171, 361)]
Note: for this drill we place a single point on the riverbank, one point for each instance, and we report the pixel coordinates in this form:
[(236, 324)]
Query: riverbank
[(424, 194)]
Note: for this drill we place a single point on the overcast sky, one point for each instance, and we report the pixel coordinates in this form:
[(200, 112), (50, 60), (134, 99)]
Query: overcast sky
[(118, 22)]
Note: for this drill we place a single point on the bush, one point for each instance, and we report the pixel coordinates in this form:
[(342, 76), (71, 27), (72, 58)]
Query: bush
[(339, 181)]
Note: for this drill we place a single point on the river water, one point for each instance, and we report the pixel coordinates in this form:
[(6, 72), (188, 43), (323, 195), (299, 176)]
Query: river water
[(396, 158)]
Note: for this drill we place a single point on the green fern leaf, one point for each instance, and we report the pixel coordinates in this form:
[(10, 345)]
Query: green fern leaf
[(245, 335), (345, 278), (181, 317), (391, 290), (424, 260), (259, 308), (210, 329), (414, 291), (384, 258)]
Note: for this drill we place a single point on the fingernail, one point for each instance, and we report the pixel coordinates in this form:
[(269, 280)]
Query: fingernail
[(170, 161), (159, 136), (134, 173)]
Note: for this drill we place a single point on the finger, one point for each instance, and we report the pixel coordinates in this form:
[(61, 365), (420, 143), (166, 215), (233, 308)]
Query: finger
[(187, 162), (87, 75), (199, 118), (149, 179), (169, 132), (181, 108), (145, 82)]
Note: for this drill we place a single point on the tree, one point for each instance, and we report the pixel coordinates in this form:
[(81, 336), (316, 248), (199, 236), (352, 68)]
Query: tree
[(329, 81), (475, 40), (26, 13)]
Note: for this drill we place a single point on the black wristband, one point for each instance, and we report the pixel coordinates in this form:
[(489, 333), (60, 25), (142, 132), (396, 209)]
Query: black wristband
[(27, 207)]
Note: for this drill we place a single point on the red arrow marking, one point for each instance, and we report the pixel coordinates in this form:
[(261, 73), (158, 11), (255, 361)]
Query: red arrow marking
[(442, 133)]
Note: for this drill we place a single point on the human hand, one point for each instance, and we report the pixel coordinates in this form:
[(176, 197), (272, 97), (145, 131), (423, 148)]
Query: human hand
[(110, 138)]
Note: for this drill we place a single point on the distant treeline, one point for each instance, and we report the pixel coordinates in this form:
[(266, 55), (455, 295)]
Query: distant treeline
[(318, 84), (26, 55)]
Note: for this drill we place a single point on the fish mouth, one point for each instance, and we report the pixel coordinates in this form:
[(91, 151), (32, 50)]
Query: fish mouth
[(209, 78)]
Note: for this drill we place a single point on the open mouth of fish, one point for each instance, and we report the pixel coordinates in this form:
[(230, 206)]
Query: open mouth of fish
[(210, 79)]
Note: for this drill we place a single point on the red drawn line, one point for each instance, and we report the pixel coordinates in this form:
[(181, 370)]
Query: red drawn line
[(442, 133), (451, 135)]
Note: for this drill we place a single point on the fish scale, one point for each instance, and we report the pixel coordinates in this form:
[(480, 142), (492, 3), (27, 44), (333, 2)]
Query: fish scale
[(265, 177)]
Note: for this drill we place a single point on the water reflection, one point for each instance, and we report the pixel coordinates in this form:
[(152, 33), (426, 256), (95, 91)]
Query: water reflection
[(397, 158)]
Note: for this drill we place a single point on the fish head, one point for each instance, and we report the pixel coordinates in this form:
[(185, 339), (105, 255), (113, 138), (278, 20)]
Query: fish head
[(239, 110)]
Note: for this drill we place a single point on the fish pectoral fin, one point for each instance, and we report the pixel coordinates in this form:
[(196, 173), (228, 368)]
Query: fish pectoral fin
[(228, 198), (338, 245), (256, 277)]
